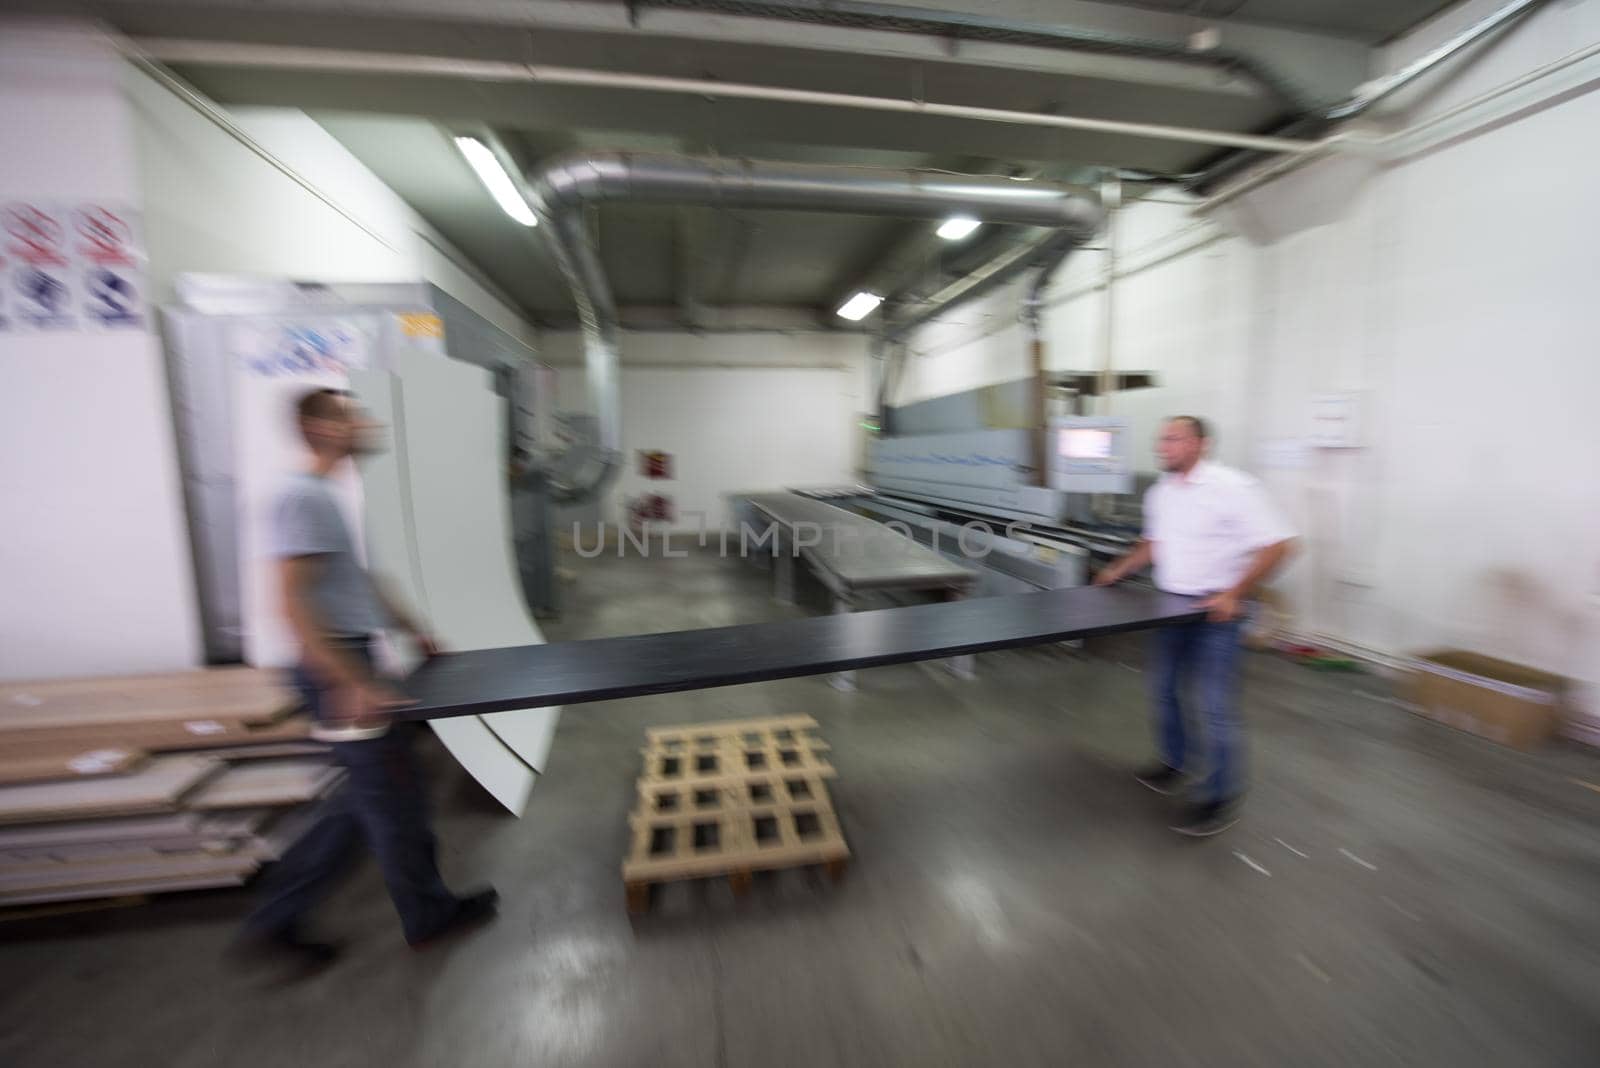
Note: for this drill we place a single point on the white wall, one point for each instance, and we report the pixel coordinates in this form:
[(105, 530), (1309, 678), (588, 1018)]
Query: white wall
[(215, 204), (1452, 286), (95, 567), (95, 576), (738, 412), (1186, 319)]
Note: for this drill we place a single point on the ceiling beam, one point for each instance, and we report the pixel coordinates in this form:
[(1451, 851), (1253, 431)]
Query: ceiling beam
[(960, 28), (1324, 66), (361, 63)]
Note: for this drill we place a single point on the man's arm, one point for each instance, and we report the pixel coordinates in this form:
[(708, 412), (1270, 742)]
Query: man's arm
[(1264, 526), (355, 695), (394, 609), (1136, 559), (1224, 606)]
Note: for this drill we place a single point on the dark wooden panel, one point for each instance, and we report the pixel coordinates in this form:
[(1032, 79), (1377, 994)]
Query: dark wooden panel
[(601, 669)]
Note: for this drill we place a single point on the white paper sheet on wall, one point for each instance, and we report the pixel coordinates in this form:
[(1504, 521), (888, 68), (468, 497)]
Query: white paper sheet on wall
[(1284, 454)]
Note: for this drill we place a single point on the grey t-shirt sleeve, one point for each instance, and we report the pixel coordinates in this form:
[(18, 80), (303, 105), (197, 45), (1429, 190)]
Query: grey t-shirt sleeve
[(305, 524)]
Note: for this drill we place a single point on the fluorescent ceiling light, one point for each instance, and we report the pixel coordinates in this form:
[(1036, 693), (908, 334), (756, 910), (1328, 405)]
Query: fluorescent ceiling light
[(496, 180), (958, 226), (859, 306)]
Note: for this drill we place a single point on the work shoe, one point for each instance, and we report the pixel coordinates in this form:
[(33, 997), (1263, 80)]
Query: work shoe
[(471, 911), (1208, 818), (287, 944), (1160, 778)]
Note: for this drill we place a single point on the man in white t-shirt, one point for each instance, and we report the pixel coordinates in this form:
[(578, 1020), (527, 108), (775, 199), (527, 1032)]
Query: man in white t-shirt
[(1212, 532)]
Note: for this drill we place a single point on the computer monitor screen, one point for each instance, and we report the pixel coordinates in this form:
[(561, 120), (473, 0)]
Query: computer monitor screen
[(1086, 444)]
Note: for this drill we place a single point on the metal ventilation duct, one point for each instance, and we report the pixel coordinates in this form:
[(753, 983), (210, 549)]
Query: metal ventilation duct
[(955, 25), (565, 186)]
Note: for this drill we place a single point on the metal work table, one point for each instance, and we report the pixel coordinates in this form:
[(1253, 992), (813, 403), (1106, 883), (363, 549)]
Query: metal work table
[(852, 555), (603, 669)]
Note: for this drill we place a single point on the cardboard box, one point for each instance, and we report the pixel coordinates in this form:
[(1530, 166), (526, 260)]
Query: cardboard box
[(1495, 699)]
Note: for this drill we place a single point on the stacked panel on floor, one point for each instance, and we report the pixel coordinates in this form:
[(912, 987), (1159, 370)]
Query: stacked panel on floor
[(730, 799), (119, 786)]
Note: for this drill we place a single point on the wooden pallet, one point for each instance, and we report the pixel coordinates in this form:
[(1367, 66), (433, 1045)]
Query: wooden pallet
[(730, 799), (735, 751)]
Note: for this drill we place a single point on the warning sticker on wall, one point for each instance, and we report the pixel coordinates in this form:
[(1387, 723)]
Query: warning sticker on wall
[(37, 282), (653, 463), (71, 267), (110, 262)]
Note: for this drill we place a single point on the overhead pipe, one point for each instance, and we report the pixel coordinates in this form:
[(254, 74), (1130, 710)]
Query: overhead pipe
[(1111, 195), (1364, 98), (1369, 94), (1042, 255), (565, 186), (562, 188), (947, 25), (345, 61), (573, 180), (992, 275), (1033, 326), (878, 361), (584, 469)]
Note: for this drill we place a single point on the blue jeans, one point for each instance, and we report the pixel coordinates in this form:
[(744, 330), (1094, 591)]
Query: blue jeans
[(382, 803), (1210, 653)]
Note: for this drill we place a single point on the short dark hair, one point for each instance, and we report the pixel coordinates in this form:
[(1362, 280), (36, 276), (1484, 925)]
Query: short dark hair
[(1196, 424), (317, 404)]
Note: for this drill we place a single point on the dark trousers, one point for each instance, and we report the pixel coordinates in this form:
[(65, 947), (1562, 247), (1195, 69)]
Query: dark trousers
[(382, 803), (1210, 743)]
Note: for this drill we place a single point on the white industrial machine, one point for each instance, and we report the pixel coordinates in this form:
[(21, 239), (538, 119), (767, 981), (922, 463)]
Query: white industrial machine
[(990, 469), (240, 350), (433, 513), (947, 468)]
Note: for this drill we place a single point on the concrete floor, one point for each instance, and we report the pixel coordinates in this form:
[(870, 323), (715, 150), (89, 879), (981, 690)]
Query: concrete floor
[(1397, 893)]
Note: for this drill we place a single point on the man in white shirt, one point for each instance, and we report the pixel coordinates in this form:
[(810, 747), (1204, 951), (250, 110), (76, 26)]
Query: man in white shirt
[(1212, 532)]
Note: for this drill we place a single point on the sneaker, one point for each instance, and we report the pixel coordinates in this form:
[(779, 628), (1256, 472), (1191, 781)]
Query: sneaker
[(1206, 819), (471, 911), (1160, 778)]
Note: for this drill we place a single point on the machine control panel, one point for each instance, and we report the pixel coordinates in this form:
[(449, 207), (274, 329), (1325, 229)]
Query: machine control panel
[(1090, 454)]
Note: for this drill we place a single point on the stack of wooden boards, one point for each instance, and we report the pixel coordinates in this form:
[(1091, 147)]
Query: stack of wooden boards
[(729, 799), (118, 786)]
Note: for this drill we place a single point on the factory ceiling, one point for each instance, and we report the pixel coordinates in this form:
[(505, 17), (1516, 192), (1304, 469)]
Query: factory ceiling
[(1240, 66)]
